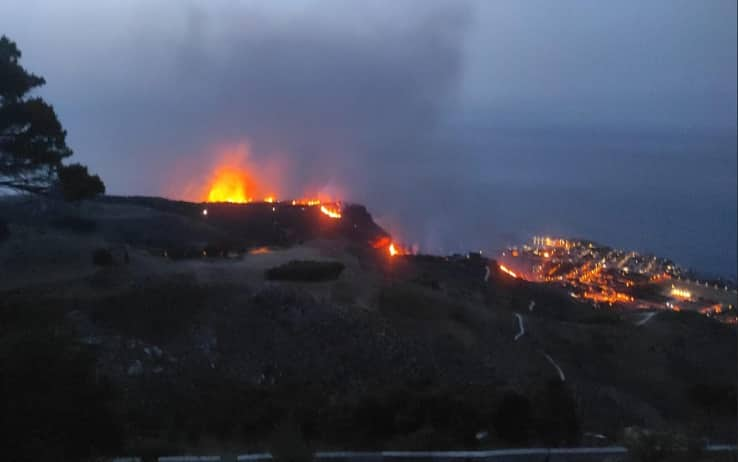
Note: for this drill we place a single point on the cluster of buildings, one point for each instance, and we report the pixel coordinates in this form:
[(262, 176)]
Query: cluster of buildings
[(606, 276)]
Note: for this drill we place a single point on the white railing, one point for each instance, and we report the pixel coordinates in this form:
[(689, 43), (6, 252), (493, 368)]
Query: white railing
[(486, 454)]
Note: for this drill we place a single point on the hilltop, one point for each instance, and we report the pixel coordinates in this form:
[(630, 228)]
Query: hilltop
[(165, 309)]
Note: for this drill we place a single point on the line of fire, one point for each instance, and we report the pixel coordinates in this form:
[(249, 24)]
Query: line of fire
[(231, 189), (604, 276)]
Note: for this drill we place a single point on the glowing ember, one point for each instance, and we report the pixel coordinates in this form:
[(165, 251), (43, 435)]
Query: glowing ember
[(508, 271), (381, 242), (260, 251), (308, 202), (332, 212)]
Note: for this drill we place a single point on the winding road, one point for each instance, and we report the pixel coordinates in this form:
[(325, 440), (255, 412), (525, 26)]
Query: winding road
[(647, 317), (521, 328), (558, 369), (521, 332)]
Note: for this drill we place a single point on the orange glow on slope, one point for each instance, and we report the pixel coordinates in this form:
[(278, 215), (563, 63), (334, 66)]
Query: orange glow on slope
[(396, 249), (393, 248), (383, 241), (308, 202), (507, 271), (333, 212)]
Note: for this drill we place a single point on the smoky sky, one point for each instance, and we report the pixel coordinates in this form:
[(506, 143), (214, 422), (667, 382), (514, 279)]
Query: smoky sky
[(460, 124)]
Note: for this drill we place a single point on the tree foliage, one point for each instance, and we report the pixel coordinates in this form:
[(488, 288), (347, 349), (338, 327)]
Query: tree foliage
[(76, 183), (32, 140)]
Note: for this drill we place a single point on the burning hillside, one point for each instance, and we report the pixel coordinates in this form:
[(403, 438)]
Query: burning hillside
[(236, 180), (392, 248)]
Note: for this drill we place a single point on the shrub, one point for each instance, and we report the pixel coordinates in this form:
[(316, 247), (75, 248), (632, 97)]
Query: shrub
[(649, 446), (53, 407), (76, 183), (75, 224), (513, 419), (343, 293), (288, 443), (718, 399), (102, 257), (414, 302), (557, 421), (305, 270), (155, 313), (4, 231)]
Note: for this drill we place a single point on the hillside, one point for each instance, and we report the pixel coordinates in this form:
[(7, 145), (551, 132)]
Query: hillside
[(180, 341)]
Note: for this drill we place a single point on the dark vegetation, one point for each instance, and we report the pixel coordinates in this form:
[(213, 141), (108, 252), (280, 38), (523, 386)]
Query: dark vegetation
[(715, 399), (102, 257), (32, 140), (53, 405), (419, 416), (429, 364), (155, 313), (4, 230), (513, 419), (73, 223), (76, 183), (306, 271)]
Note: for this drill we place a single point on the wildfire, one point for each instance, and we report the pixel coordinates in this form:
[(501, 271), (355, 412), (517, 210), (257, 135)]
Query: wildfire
[(393, 248), (508, 271), (304, 202), (260, 250), (331, 211), (229, 185)]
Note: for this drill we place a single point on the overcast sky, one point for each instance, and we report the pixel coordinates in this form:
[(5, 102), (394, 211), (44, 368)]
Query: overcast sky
[(461, 124)]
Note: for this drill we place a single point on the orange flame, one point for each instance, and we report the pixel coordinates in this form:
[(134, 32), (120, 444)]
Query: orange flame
[(308, 202), (508, 271), (396, 249), (229, 185), (330, 211), (383, 241), (393, 248)]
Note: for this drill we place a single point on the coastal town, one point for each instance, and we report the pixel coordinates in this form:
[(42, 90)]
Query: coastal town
[(605, 276)]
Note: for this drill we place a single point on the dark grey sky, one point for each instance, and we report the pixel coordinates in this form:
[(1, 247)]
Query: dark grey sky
[(461, 124)]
